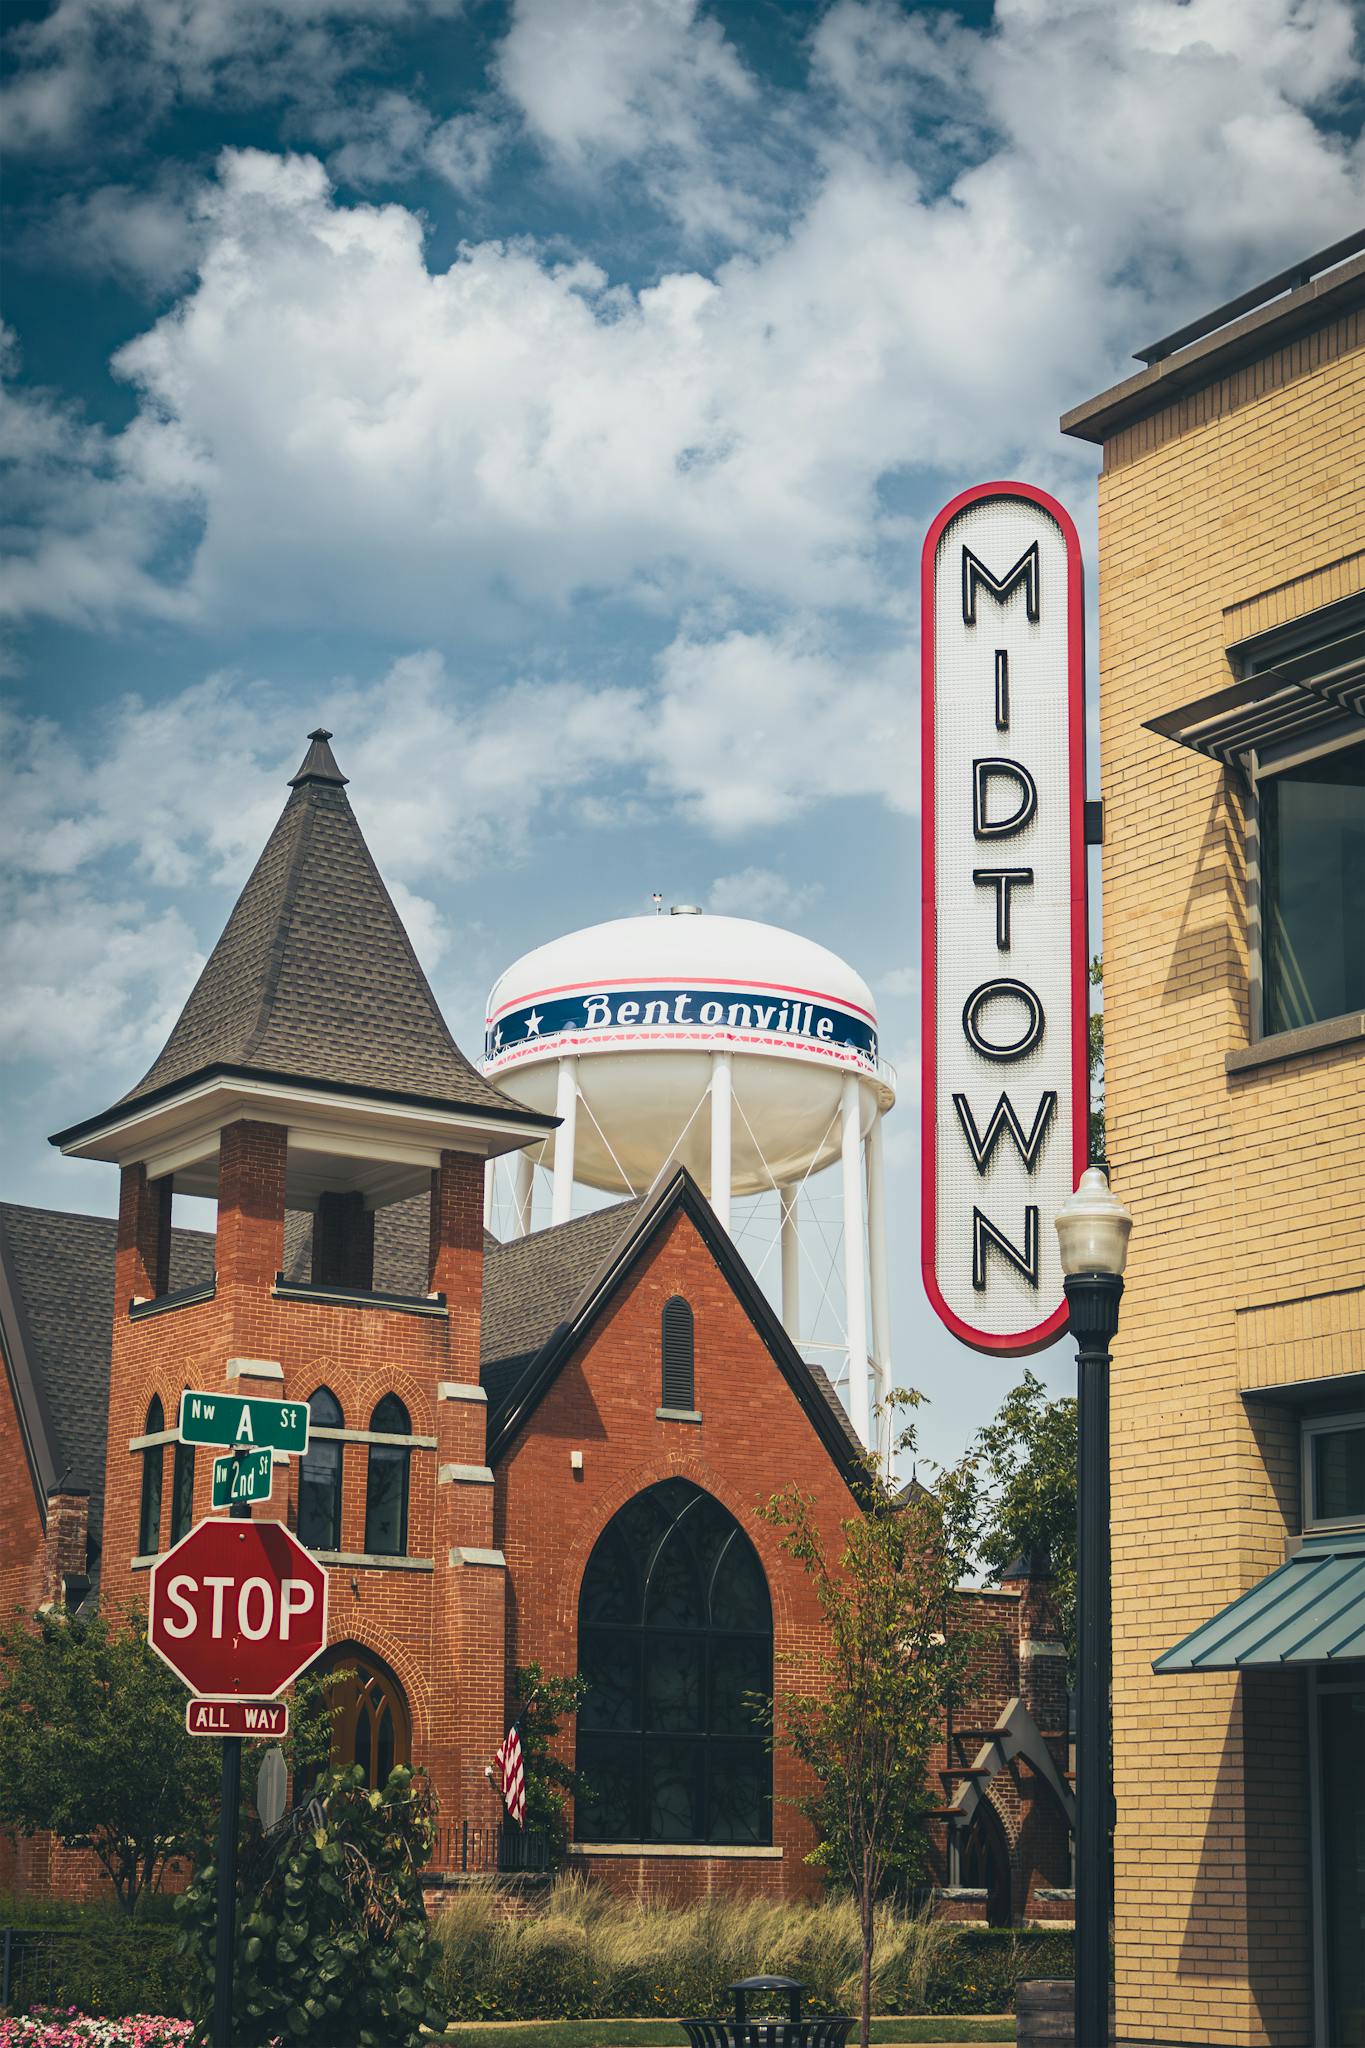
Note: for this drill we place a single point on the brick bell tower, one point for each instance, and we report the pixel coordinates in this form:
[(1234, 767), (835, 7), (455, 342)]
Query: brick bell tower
[(312, 1088)]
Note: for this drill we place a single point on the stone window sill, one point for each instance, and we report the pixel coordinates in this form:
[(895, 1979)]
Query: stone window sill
[(371, 1561), (678, 1414), (731, 1852), (1293, 1045)]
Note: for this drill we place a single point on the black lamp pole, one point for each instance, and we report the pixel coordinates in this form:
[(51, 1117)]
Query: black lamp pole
[(1093, 1301)]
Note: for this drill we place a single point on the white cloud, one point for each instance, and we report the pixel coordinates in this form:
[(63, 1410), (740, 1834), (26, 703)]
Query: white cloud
[(90, 975), (326, 427), (127, 62), (762, 893), (149, 238), (752, 728)]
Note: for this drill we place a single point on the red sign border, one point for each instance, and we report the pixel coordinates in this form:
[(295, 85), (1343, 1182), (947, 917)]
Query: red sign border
[(1023, 1342), (225, 1522), (218, 1699)]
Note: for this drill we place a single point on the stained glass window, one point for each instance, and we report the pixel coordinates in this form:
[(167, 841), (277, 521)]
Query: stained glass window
[(675, 1634)]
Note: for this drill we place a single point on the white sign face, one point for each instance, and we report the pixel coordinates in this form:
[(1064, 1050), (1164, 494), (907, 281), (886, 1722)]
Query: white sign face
[(1005, 1089)]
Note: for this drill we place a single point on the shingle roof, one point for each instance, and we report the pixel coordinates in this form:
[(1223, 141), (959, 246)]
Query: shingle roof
[(61, 1270), (532, 1284), (314, 978)]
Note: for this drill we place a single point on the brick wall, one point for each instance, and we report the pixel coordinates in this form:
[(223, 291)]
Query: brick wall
[(752, 1439), (433, 1631), (1239, 507)]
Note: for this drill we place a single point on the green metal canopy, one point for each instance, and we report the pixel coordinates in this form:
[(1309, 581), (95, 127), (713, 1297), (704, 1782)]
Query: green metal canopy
[(1309, 1611)]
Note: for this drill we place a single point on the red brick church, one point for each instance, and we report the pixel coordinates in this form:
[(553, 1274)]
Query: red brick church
[(546, 1450)]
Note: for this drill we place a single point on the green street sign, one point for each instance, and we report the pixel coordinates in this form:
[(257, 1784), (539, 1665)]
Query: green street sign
[(245, 1425), (247, 1477)]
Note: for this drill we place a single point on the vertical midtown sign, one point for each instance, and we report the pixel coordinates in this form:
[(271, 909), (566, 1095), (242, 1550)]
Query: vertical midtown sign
[(1005, 1094)]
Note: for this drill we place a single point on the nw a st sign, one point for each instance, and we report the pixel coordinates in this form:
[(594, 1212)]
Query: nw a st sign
[(1005, 1094)]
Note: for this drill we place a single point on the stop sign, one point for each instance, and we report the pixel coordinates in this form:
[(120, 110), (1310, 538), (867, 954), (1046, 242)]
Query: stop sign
[(238, 1608)]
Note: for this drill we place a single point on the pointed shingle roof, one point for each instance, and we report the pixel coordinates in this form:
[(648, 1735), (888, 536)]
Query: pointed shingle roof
[(314, 979)]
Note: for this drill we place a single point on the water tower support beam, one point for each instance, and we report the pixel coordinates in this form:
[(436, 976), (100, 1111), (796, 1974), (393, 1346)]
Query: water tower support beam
[(521, 1194), (566, 1109), (720, 1137), (791, 1264), (877, 1275), (490, 1186), (855, 1261)]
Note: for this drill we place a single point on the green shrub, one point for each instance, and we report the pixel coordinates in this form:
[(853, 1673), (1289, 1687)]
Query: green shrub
[(332, 1940), (105, 1966), (592, 1955)]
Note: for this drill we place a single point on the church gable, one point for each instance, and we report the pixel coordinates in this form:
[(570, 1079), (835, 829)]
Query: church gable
[(671, 1343)]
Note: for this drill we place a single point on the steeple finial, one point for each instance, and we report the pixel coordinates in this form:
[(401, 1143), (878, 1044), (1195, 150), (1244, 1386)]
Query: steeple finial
[(319, 763)]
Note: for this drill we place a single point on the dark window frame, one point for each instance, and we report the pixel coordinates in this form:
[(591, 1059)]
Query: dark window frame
[(153, 1470), (384, 1458), (324, 1456), (636, 1650), (1271, 771)]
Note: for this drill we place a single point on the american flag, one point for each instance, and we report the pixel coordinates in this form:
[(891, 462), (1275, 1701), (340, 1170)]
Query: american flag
[(512, 1774)]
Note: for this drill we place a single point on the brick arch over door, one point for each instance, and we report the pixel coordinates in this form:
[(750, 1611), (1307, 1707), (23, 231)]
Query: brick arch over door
[(675, 1635)]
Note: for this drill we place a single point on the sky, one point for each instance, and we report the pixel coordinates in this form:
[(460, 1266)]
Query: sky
[(550, 397)]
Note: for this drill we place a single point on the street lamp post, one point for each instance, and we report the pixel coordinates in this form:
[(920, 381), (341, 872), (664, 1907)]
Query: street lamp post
[(1092, 1231)]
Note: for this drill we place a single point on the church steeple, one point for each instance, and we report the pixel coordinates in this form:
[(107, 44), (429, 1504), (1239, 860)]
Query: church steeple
[(314, 983)]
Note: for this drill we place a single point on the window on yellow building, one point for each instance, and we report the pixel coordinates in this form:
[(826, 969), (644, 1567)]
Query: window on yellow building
[(1333, 1472), (1312, 882)]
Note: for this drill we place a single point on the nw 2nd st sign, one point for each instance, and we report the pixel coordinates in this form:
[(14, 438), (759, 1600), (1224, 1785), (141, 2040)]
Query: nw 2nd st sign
[(1005, 1032)]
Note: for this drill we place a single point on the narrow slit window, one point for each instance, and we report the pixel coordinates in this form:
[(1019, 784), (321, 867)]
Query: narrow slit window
[(320, 1477), (679, 1375), (153, 1461), (182, 1492)]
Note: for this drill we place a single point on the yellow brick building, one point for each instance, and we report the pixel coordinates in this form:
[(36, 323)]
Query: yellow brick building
[(1232, 732)]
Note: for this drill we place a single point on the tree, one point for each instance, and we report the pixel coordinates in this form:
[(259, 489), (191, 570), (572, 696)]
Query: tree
[(331, 1934), (544, 1702), (93, 1746), (1019, 1477), (1095, 1064), (893, 1663)]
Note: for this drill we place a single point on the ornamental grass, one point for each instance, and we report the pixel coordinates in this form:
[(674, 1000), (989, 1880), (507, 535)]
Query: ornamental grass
[(588, 1954)]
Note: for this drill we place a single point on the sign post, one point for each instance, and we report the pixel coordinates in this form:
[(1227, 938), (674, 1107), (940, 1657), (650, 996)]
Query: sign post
[(242, 1476), (237, 1609), (242, 1423)]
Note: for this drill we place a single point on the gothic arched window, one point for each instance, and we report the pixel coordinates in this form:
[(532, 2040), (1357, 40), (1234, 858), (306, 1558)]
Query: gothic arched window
[(675, 1630), (678, 1388), (320, 1476), (153, 1460), (386, 1482)]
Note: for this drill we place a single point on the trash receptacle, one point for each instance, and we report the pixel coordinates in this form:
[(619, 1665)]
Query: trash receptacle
[(829, 2030)]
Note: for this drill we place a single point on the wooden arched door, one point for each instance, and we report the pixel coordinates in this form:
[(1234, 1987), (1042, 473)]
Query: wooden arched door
[(371, 1725)]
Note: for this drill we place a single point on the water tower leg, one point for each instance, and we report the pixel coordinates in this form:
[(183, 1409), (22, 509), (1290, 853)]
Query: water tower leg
[(720, 1137), (791, 1265), (566, 1109), (877, 1275), (490, 1176), (521, 1194), (855, 1261)]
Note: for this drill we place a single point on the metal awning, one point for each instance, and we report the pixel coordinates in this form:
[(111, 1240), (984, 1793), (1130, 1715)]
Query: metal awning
[(1301, 680), (1309, 1611)]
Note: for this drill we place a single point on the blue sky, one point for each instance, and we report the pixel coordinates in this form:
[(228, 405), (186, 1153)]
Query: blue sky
[(551, 397)]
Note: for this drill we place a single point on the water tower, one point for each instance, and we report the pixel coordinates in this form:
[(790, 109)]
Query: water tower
[(747, 1053)]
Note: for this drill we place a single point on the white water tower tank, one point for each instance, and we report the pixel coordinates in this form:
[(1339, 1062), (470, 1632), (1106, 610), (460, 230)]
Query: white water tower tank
[(747, 1053)]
